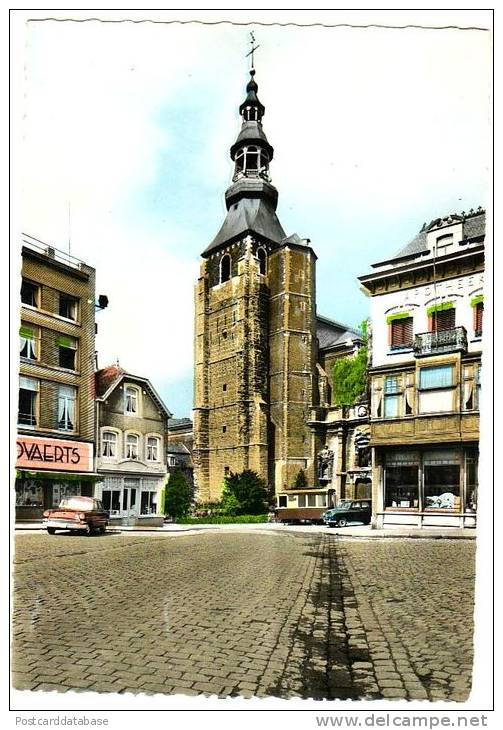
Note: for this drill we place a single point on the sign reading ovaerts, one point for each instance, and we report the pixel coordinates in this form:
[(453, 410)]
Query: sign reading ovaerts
[(53, 454)]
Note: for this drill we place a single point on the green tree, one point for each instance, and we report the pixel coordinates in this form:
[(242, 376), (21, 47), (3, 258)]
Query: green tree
[(244, 494), (178, 497), (300, 480), (349, 375)]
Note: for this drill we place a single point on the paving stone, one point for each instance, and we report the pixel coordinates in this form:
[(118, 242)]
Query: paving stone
[(324, 619)]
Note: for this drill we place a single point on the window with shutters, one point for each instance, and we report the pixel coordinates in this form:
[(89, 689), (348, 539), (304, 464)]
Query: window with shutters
[(401, 333), (443, 320), (478, 317)]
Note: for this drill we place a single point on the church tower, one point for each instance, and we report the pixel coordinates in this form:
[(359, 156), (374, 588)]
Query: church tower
[(255, 330)]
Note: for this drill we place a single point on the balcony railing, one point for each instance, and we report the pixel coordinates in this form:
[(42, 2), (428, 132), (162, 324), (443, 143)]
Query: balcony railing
[(432, 343)]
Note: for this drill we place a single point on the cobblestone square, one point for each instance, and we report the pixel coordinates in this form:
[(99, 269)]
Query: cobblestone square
[(279, 613)]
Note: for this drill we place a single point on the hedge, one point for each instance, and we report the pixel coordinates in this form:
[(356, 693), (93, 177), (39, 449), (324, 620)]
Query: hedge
[(222, 519)]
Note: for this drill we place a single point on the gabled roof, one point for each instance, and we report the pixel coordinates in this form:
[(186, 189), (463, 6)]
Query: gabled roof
[(179, 423), (331, 333), (107, 380)]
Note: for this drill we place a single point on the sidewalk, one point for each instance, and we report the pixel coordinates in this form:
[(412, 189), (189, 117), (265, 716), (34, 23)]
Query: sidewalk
[(350, 531)]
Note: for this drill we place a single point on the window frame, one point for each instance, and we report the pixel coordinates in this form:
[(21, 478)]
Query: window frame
[(72, 299), (226, 257), (131, 390), (131, 435), (393, 326), (65, 348), (67, 414), (35, 342), (108, 432), (34, 402), (158, 447), (36, 289), (392, 395)]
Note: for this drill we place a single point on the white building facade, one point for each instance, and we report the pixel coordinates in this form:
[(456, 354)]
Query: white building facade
[(427, 327)]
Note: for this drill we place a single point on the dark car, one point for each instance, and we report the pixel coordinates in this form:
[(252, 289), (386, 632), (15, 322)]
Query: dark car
[(77, 514), (359, 510)]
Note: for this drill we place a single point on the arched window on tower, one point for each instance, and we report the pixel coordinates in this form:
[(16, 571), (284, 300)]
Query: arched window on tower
[(250, 114), (262, 260), (225, 268), (252, 159)]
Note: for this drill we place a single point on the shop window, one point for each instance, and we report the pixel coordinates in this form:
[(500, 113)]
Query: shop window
[(441, 481), (132, 442), (131, 401), (27, 343), (29, 493), (67, 396), (311, 500), (111, 499), (68, 306), (64, 490), (148, 503), (282, 500), (401, 333), (402, 482), (442, 320), (392, 397), (321, 500), (436, 389), (472, 480), (30, 293), (67, 351), (153, 448), (262, 261), (478, 314), (225, 268), (302, 500), (28, 401), (109, 444)]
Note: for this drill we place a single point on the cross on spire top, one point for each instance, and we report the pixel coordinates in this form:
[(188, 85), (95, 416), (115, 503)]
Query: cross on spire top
[(252, 51)]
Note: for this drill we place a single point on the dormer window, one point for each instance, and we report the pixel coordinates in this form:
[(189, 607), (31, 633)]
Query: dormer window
[(225, 268), (444, 244)]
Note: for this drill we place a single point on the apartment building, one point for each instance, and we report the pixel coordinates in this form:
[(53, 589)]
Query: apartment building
[(55, 423), (427, 330)]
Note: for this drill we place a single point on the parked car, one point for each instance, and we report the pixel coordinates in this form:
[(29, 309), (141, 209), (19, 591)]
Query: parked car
[(77, 514), (359, 510)]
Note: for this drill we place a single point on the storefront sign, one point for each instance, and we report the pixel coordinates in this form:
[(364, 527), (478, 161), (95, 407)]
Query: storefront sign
[(53, 454)]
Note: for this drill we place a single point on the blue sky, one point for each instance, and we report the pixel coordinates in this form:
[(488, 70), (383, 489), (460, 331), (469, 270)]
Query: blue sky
[(375, 131)]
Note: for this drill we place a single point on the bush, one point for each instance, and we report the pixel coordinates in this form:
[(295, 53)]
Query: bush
[(223, 519), (300, 480), (244, 494), (177, 497)]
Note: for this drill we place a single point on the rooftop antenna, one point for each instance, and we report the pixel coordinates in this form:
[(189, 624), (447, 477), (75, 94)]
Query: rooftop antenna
[(252, 51)]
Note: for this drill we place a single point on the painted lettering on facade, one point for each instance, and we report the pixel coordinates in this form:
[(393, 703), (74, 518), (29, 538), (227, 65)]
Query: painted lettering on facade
[(59, 455)]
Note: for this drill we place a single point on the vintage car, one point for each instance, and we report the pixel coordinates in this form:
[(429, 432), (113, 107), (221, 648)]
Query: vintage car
[(359, 510), (77, 514)]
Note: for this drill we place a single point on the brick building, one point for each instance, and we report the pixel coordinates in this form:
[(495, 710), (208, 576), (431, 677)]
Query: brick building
[(131, 462), (427, 320), (55, 421), (260, 348)]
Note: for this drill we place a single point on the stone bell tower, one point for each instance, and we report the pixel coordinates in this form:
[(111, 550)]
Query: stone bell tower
[(255, 335)]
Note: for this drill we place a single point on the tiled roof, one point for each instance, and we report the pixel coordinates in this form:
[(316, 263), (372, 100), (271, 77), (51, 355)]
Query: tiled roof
[(331, 333), (474, 224), (179, 423), (105, 377)]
